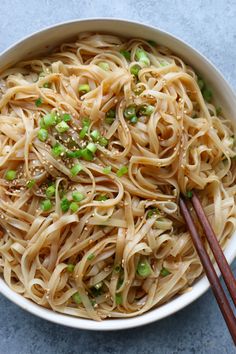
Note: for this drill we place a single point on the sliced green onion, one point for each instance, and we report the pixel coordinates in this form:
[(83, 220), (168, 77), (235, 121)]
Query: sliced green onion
[(142, 57), (47, 85), (104, 66), (42, 124), (58, 149), (78, 153), (77, 196), (42, 134), (86, 122), (101, 198), (62, 127), (90, 256), (30, 183), (164, 272), (151, 212), (84, 88), (66, 117), (122, 171), (111, 113), (138, 90), (49, 120), (118, 299), (58, 118), (134, 120), (77, 298), (117, 268), (107, 170), (130, 112), (200, 83), (74, 207), (95, 135), (83, 132), (103, 141), (50, 191), (91, 147), (109, 120), (38, 102), (125, 54), (97, 289), (46, 205), (71, 154), (76, 169), (189, 194), (120, 283), (152, 43), (134, 70), (86, 154), (110, 116), (147, 110), (65, 204), (10, 175), (207, 94), (144, 269), (70, 267)]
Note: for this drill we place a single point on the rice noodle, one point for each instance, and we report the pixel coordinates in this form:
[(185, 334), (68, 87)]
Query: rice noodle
[(124, 219)]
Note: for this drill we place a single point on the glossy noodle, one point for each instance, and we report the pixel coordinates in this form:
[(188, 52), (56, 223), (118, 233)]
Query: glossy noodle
[(97, 140)]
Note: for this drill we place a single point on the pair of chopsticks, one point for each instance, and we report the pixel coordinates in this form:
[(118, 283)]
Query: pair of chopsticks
[(224, 267)]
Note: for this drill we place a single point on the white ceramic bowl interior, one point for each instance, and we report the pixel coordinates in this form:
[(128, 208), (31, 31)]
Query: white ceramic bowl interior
[(48, 38)]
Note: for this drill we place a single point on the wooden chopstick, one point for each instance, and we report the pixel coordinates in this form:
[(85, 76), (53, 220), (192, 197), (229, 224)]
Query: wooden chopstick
[(215, 247), (217, 288)]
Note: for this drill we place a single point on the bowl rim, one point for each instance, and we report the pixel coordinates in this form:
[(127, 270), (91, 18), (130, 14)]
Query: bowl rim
[(177, 303)]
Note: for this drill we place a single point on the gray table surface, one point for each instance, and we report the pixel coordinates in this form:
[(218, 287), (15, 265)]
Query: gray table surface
[(209, 26)]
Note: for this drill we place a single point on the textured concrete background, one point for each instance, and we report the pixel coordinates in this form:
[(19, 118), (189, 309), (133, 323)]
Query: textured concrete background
[(209, 26)]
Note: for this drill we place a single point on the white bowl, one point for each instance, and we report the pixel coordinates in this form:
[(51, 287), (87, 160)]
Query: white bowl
[(43, 41)]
